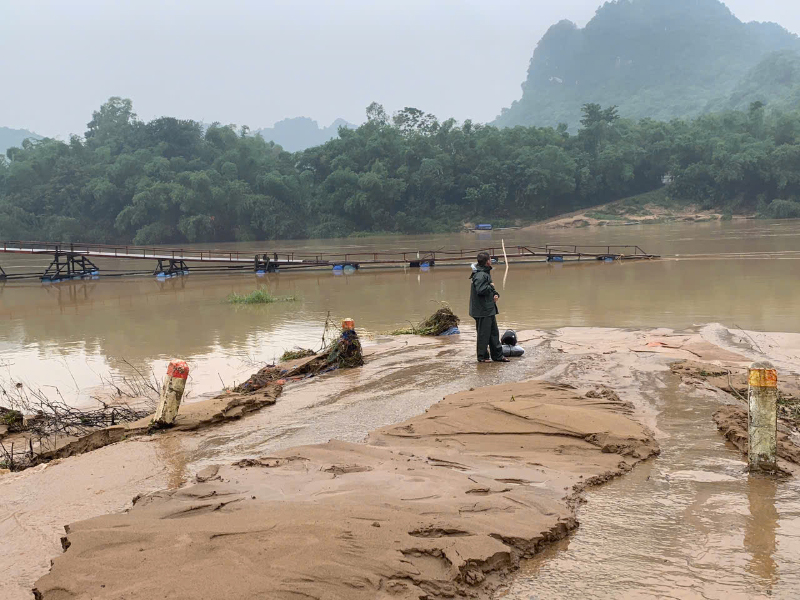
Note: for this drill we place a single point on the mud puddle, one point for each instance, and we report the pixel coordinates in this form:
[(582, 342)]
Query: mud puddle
[(37, 503), (391, 387), (395, 384), (688, 524)]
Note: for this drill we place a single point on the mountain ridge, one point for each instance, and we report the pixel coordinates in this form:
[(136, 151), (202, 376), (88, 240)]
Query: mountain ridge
[(299, 133), (9, 138), (660, 59)]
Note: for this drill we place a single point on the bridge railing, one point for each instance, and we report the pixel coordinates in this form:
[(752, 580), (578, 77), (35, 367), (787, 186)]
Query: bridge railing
[(597, 249), (125, 251), (134, 251)]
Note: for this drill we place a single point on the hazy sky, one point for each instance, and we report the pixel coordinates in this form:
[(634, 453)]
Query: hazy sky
[(255, 62)]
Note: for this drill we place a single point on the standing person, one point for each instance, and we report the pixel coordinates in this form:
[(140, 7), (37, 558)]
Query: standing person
[(483, 308)]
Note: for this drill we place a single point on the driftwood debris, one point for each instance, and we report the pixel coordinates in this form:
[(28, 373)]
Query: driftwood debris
[(438, 323)]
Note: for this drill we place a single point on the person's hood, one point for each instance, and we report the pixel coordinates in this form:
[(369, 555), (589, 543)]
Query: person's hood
[(476, 267)]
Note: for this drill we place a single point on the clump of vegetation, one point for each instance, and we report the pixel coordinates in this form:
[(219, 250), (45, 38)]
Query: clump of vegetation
[(345, 351), (12, 419), (780, 209), (340, 350), (295, 354), (259, 296), (439, 322)]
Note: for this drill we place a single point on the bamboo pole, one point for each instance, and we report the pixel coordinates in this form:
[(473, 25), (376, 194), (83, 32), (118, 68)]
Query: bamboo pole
[(505, 260)]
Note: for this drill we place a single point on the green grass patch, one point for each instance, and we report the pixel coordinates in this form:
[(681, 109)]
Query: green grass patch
[(623, 209), (259, 296)]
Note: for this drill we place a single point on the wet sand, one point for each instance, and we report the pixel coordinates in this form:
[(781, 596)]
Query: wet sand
[(444, 504), (690, 523), (326, 488)]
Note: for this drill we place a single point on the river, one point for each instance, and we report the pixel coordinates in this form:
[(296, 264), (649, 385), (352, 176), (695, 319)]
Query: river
[(70, 337), (688, 524)]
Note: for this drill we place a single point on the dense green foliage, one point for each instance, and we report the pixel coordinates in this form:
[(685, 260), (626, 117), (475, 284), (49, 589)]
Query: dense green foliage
[(740, 162), (657, 59), (301, 133), (168, 181)]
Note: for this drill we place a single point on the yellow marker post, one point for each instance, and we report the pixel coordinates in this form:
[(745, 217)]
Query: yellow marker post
[(762, 396)]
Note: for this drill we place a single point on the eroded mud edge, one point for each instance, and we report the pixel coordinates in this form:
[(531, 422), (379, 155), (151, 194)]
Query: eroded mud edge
[(731, 419), (443, 505)]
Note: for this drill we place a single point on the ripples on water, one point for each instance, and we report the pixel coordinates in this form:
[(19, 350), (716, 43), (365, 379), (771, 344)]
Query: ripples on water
[(69, 335), (688, 524)]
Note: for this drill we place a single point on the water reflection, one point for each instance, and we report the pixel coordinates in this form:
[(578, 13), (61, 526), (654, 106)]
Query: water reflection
[(67, 334), (689, 524), (761, 526)]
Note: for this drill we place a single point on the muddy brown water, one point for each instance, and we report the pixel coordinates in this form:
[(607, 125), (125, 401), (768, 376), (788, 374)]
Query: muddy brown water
[(73, 335), (690, 524)]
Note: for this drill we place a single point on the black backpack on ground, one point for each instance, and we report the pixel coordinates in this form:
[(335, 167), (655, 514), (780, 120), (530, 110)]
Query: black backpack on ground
[(509, 338)]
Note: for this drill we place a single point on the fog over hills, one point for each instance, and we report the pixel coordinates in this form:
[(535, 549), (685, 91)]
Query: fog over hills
[(270, 59), (652, 58), (14, 137), (301, 133)]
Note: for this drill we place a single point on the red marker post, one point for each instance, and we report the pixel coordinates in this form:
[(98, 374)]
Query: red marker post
[(171, 393)]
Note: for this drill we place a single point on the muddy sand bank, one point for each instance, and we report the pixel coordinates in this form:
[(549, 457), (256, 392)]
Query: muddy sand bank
[(444, 504), (649, 208), (446, 507)]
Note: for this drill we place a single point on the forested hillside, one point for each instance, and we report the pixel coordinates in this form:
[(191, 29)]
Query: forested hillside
[(301, 133), (169, 181), (775, 81), (656, 59)]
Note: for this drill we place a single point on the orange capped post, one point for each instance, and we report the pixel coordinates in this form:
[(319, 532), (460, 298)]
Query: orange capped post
[(171, 393), (762, 425)]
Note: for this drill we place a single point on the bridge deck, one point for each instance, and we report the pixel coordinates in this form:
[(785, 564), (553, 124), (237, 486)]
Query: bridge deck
[(75, 260), (323, 258)]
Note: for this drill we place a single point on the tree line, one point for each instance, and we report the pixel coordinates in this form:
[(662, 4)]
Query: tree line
[(174, 181)]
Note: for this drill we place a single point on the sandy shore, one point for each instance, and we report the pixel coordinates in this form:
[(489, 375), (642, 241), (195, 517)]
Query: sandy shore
[(445, 503), (616, 215)]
